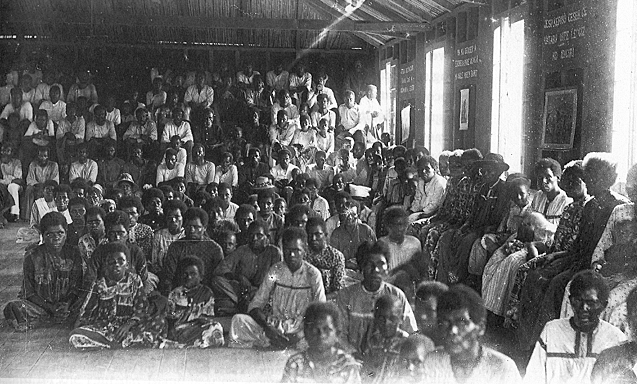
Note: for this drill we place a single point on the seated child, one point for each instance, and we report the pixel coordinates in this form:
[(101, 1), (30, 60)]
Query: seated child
[(153, 199), (323, 361), (380, 348), (115, 313), (412, 357), (191, 309)]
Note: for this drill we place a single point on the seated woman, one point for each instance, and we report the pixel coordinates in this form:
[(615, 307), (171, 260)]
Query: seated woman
[(544, 287), (567, 230), (323, 361), (615, 257), (114, 314), (463, 357), (519, 206), (534, 236), (558, 356), (191, 308), (52, 279), (44, 204)]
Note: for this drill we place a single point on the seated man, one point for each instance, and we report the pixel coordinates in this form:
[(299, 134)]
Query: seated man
[(199, 171), (84, 167), (405, 261), (11, 178), (195, 243), (143, 132), (245, 215), (52, 279), (110, 167), (178, 127), (351, 233), (98, 132), (239, 276), (71, 130), (329, 260), (140, 168), (40, 170), (463, 357), (558, 356), (290, 286), (356, 302)]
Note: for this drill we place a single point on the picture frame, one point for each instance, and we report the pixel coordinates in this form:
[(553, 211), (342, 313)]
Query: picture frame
[(559, 118), (464, 109)]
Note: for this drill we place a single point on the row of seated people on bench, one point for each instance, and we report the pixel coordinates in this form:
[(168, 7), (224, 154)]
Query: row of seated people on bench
[(488, 232)]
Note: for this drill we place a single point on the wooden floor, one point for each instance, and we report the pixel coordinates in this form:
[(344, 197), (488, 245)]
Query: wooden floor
[(44, 354)]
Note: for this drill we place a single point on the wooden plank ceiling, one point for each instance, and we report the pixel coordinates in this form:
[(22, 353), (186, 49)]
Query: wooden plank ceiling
[(288, 24)]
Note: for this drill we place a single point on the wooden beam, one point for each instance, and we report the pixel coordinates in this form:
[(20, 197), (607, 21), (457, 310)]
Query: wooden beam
[(344, 25), (189, 46), (445, 4)]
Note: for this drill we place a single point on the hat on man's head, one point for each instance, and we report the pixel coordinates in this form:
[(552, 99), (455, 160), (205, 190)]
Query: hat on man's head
[(492, 160), (126, 177), (263, 183)]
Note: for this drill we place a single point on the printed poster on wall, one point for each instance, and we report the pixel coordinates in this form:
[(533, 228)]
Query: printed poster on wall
[(464, 109), (405, 120)]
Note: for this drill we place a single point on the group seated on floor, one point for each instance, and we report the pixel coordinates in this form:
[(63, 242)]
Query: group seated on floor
[(314, 233)]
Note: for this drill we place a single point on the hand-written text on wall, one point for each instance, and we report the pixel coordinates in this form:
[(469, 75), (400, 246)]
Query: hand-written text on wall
[(561, 33), (466, 57)]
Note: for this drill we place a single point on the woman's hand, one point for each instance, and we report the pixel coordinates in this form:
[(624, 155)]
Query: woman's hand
[(122, 331)]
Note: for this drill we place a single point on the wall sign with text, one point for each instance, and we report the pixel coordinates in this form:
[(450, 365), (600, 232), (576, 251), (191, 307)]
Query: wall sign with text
[(407, 80), (465, 63), (565, 34)]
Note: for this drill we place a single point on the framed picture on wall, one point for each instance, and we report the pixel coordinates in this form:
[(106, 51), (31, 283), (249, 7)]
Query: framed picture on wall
[(560, 118), (464, 109)]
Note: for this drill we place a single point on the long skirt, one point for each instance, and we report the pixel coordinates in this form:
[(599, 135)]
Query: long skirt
[(532, 297), (498, 278), (101, 334), (431, 234), (454, 249), (201, 333), (512, 312)]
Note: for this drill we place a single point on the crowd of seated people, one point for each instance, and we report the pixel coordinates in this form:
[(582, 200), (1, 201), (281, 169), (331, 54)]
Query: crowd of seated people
[(263, 201)]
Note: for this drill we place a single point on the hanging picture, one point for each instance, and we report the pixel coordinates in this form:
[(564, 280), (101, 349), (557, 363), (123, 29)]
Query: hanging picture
[(464, 109), (560, 118)]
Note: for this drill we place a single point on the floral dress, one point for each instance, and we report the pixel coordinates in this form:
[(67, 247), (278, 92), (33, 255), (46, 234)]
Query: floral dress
[(190, 317), (107, 308), (343, 368)]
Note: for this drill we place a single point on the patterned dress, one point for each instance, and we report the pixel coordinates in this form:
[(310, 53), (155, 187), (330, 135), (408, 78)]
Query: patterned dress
[(380, 354), (342, 369), (107, 308), (51, 278), (142, 236), (190, 318), (565, 236), (331, 262)]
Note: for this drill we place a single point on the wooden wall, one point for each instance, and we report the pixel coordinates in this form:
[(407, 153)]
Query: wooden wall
[(569, 44)]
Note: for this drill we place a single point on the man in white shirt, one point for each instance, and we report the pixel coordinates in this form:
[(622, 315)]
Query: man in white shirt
[(300, 83), (277, 79), (24, 108), (178, 127), (371, 114), (55, 107), (199, 95), (99, 131), (42, 91), (83, 167), (351, 116)]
